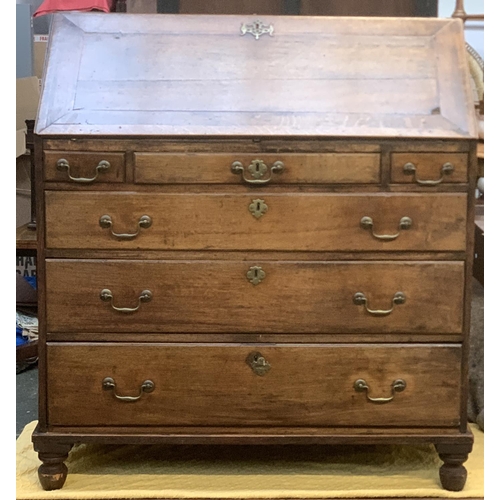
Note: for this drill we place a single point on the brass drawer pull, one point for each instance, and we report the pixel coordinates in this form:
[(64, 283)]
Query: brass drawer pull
[(367, 223), (398, 385), (255, 275), (257, 170), (258, 363), (107, 296), (106, 222), (108, 384), (102, 166), (360, 300), (411, 169)]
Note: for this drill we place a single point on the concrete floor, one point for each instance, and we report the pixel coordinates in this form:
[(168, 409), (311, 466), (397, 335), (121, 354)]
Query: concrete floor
[(26, 398), (27, 381)]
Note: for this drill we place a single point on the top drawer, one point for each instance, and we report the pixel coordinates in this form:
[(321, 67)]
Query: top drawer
[(84, 168), (256, 168)]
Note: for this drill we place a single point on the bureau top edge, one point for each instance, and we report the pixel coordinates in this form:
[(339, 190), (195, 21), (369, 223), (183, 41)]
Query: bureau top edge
[(372, 144)]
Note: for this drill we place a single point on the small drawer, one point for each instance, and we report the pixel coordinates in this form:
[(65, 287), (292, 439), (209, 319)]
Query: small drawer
[(429, 169), (84, 168), (257, 169), (281, 385), (256, 221), (229, 296)]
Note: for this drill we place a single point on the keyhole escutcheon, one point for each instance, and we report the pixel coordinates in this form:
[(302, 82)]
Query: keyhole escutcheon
[(258, 208)]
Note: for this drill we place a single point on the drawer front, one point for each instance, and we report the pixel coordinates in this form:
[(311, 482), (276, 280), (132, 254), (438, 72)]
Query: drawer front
[(255, 385), (429, 169), (256, 221), (252, 169), (84, 168), (257, 297)]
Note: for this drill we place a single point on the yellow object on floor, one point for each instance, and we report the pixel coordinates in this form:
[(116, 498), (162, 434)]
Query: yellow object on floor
[(125, 471)]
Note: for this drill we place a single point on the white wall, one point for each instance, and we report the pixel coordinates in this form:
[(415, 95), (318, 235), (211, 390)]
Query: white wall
[(474, 30)]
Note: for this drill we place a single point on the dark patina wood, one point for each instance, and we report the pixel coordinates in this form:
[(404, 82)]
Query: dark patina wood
[(341, 120), (307, 385)]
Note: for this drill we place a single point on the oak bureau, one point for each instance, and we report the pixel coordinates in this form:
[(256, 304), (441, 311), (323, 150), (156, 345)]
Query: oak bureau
[(254, 230)]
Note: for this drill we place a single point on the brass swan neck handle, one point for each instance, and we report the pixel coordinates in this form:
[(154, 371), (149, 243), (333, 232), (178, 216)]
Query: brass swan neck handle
[(107, 296), (446, 169), (106, 222), (360, 300), (108, 384), (102, 166), (398, 385)]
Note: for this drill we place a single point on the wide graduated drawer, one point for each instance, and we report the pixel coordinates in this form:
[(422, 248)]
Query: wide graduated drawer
[(256, 169), (252, 385), (254, 296), (256, 221)]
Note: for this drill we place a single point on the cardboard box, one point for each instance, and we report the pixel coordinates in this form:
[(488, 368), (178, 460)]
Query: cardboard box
[(39, 50)]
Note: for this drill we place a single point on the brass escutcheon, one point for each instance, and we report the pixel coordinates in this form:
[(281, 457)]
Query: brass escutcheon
[(258, 363), (257, 169), (258, 208), (255, 275), (257, 29)]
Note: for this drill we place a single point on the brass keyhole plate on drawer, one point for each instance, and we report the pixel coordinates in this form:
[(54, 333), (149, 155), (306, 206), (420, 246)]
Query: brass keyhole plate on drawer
[(258, 208)]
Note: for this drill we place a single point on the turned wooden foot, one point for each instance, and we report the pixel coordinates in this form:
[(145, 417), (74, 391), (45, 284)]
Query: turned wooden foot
[(452, 473), (53, 471)]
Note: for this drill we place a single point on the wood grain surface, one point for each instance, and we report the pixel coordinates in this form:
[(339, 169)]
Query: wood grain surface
[(213, 385), (327, 77), (328, 168), (312, 222), (216, 296)]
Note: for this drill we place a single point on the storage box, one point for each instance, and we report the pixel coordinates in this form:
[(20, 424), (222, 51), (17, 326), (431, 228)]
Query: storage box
[(39, 49)]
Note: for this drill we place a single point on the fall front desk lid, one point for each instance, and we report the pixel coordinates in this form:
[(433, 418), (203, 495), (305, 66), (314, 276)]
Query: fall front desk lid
[(186, 75)]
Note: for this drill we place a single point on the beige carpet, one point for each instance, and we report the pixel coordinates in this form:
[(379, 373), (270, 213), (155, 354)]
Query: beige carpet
[(123, 472)]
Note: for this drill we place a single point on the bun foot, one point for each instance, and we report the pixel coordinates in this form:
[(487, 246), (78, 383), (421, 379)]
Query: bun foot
[(453, 477), (53, 471), (453, 474), (52, 476)]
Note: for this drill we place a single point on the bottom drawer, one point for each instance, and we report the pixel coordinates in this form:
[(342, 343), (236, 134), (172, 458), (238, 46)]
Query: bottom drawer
[(253, 385)]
